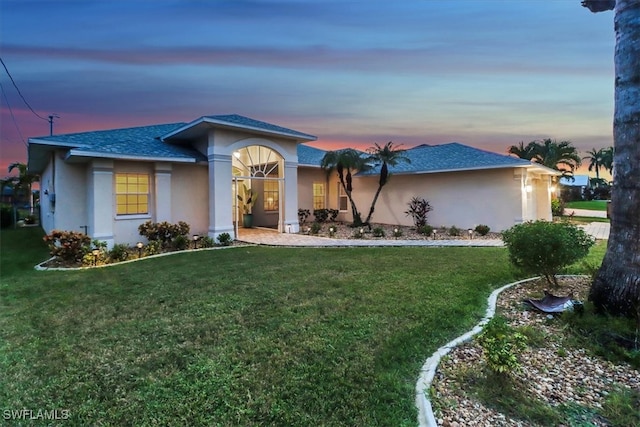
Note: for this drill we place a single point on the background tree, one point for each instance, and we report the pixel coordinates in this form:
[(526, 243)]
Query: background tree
[(616, 288), (527, 152), (596, 160), (384, 156), (20, 184), (345, 163), (561, 156), (607, 159)]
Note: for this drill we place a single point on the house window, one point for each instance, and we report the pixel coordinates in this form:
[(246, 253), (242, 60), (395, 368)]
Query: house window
[(318, 195), (132, 193), (343, 201), (270, 199)]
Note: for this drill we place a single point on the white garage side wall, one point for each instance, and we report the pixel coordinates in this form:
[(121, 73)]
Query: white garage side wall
[(47, 193), (464, 199), (71, 190), (190, 196)]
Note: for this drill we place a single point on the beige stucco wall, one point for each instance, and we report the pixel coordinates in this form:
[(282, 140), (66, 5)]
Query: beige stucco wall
[(464, 199), (190, 196)]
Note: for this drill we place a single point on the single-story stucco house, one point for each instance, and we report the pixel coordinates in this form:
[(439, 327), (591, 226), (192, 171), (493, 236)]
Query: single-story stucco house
[(109, 182)]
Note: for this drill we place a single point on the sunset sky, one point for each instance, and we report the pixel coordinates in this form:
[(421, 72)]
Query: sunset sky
[(483, 73)]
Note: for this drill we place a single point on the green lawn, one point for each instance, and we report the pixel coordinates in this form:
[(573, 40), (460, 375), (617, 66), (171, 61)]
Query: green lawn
[(241, 336), (592, 205)]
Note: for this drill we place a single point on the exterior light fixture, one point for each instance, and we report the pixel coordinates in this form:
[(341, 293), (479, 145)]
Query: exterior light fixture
[(528, 188), (195, 241), (331, 231), (139, 245), (361, 232), (289, 228), (433, 234), (553, 188), (470, 234), (395, 233), (236, 154), (95, 253)]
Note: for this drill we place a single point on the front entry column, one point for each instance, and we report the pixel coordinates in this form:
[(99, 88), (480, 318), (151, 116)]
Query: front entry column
[(220, 195), (290, 197)]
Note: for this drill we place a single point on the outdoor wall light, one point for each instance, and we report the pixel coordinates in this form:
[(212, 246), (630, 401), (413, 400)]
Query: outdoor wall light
[(528, 188), (195, 241), (553, 188), (139, 245), (236, 154), (95, 253)]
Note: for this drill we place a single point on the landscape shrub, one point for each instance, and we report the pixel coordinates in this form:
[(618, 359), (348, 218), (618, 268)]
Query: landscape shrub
[(68, 245), (454, 231), (321, 215), (208, 242), (224, 239), (545, 248), (163, 232), (419, 209), (501, 345), (426, 229), (557, 207), (315, 228), (180, 242), (397, 232), (378, 232), (303, 214), (482, 229), (154, 247), (119, 252), (333, 214)]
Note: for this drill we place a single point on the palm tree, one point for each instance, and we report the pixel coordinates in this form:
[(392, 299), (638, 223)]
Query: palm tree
[(558, 155), (22, 183), (345, 162), (616, 288), (384, 156), (527, 153), (596, 160), (607, 159)]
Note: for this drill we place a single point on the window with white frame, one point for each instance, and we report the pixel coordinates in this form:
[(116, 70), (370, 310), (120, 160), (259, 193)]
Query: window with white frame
[(318, 195), (343, 200), (132, 193)]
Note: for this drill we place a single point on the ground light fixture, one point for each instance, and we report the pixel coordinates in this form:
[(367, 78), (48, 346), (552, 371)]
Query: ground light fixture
[(361, 232), (395, 233), (139, 245), (331, 231), (195, 241), (433, 234), (470, 234), (95, 253)]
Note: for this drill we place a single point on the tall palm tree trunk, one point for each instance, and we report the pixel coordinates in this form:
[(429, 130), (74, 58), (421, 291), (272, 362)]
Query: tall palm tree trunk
[(616, 288)]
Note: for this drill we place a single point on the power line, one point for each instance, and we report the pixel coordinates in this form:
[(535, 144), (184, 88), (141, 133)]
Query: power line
[(20, 93), (12, 116)]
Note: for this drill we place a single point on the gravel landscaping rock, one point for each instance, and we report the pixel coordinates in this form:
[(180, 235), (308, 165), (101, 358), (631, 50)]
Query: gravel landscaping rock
[(552, 372)]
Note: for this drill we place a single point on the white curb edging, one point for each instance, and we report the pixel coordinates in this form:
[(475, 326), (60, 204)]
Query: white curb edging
[(428, 371)]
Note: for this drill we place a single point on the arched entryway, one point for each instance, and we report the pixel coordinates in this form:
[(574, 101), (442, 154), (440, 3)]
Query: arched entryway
[(257, 188)]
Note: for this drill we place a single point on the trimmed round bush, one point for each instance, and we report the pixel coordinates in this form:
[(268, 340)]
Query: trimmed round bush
[(545, 248)]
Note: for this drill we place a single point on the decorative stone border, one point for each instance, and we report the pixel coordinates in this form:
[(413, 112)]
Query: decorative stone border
[(428, 371)]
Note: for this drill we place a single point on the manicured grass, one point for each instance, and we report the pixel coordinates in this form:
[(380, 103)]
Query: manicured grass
[(240, 336), (592, 205), (584, 219)]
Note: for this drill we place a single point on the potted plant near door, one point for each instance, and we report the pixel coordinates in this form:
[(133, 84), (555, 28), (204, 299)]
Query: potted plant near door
[(247, 198)]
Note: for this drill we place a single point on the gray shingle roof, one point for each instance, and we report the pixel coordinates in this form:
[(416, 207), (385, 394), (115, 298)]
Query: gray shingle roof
[(310, 156), (246, 122), (143, 141), (450, 157)]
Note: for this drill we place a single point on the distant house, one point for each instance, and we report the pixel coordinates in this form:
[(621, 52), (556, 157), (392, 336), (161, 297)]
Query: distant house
[(109, 182), (577, 181)]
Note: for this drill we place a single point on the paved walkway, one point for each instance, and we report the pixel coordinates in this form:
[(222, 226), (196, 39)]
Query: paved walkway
[(269, 237)]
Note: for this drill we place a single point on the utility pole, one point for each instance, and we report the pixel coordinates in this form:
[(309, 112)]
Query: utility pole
[(51, 117)]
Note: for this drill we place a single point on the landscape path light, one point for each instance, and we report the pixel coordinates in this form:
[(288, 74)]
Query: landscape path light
[(195, 241), (395, 233), (470, 234), (139, 245), (95, 253), (433, 234)]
